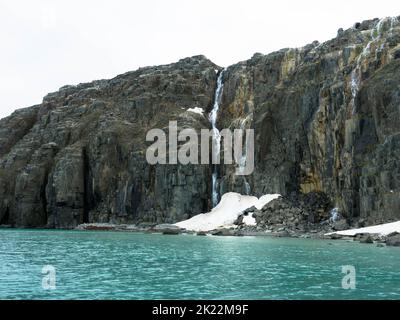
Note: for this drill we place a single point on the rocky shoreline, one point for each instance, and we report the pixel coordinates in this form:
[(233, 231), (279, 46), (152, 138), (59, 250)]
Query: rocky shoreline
[(306, 216), (309, 216), (392, 239), (166, 229)]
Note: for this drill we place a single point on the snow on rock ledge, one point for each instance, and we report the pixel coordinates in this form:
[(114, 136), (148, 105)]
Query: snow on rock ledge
[(381, 229), (226, 212), (196, 110)]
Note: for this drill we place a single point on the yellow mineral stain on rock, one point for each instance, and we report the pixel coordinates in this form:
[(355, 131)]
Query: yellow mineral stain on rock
[(289, 63)]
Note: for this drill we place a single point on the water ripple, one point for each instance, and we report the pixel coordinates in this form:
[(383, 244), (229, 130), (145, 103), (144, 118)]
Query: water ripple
[(108, 265)]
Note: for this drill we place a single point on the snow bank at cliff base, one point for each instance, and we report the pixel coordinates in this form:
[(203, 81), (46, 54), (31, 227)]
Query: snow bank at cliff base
[(226, 212), (381, 229)]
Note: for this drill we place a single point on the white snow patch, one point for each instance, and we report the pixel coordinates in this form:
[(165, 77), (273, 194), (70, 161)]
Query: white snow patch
[(196, 110), (226, 212), (381, 229), (266, 199), (249, 220)]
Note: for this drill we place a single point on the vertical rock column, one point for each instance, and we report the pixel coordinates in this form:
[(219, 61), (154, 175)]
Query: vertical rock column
[(66, 190)]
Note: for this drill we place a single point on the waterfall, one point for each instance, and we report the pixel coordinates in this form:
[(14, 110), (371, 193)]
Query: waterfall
[(243, 158), (393, 21), (356, 75), (216, 137), (335, 215)]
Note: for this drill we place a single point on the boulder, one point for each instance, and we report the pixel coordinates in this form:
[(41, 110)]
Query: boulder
[(223, 232), (168, 229), (340, 225), (249, 210), (393, 239), (239, 220), (98, 227), (367, 239), (172, 231), (335, 236)]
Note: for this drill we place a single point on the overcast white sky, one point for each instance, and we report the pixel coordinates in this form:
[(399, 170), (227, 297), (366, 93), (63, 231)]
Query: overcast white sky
[(45, 44)]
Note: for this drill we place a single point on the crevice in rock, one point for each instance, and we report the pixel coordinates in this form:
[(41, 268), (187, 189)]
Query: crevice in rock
[(86, 187), (43, 198), (6, 218), (136, 196)]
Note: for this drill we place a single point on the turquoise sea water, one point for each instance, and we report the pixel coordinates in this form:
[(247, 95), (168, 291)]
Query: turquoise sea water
[(112, 265)]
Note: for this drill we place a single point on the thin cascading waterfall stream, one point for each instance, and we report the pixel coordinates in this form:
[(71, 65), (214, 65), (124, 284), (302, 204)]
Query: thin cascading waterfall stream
[(243, 158), (356, 75), (393, 21), (216, 138), (335, 215)]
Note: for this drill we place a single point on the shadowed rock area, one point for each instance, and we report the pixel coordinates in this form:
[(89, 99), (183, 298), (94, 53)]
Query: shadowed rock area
[(326, 120)]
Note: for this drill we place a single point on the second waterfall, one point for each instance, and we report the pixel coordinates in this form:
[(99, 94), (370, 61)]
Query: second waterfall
[(216, 138)]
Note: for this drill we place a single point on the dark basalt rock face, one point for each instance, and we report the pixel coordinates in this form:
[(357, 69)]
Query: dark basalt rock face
[(326, 120), (80, 155)]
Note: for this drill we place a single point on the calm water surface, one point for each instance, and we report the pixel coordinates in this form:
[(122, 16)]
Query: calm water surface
[(112, 265)]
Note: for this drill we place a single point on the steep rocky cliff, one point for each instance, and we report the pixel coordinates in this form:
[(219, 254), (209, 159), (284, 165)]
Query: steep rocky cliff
[(326, 119), (80, 155)]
